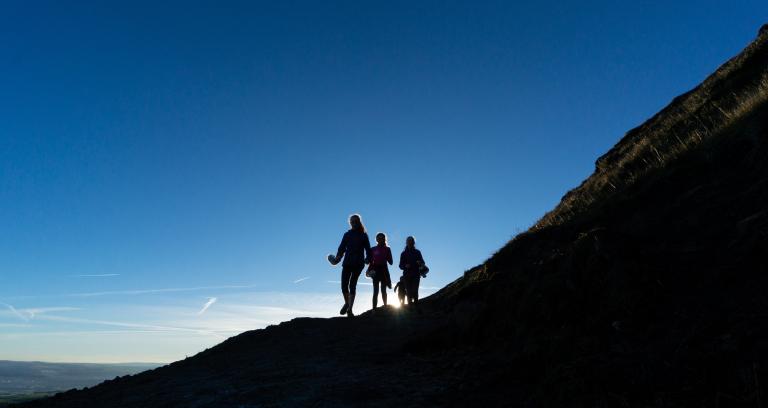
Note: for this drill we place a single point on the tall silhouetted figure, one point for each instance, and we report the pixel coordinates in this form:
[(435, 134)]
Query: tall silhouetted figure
[(413, 266), (381, 255), (355, 248)]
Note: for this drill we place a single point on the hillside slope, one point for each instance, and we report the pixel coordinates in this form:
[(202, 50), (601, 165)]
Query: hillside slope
[(644, 287)]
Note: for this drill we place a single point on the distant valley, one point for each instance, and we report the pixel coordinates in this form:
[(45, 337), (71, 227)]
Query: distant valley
[(22, 379)]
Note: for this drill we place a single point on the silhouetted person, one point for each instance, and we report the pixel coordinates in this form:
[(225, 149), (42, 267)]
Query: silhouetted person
[(412, 263), (355, 247), (381, 255)]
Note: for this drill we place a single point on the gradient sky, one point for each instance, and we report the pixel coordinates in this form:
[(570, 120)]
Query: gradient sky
[(173, 174)]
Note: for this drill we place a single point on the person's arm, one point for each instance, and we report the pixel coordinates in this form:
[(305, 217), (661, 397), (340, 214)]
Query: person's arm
[(389, 256), (402, 261), (420, 258), (367, 244), (342, 248)]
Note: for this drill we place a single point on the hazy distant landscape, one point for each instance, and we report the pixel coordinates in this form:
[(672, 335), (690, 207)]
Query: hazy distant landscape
[(21, 380)]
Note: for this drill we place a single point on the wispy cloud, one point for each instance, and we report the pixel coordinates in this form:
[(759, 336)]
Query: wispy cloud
[(28, 314), (301, 279), (140, 326), (162, 290), (15, 312), (95, 275), (156, 331), (32, 312), (207, 304), (13, 325)]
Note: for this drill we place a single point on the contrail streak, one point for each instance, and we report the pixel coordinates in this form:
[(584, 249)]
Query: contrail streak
[(207, 304)]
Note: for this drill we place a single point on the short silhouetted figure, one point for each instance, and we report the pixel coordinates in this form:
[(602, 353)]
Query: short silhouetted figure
[(381, 255), (412, 264), (355, 248)]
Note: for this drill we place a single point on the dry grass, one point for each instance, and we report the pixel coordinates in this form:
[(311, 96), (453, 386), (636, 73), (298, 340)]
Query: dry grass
[(690, 122)]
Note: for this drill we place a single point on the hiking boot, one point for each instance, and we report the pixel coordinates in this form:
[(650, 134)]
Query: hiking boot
[(344, 309), (350, 302)]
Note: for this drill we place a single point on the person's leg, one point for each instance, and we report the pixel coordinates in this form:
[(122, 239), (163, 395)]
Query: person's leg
[(412, 289), (408, 290), (416, 282), (376, 293), (355, 274), (407, 286), (383, 292), (345, 275)]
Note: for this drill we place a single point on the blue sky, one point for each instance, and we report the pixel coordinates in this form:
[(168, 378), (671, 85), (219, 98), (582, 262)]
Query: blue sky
[(158, 158)]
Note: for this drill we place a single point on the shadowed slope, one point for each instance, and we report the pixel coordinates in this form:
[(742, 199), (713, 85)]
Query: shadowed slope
[(644, 287)]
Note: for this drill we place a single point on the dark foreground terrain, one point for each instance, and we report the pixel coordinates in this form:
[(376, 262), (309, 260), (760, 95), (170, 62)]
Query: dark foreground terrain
[(645, 287)]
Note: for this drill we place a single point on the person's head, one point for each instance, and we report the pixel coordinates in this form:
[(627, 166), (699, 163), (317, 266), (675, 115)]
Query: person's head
[(410, 243), (356, 223), (381, 238)]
